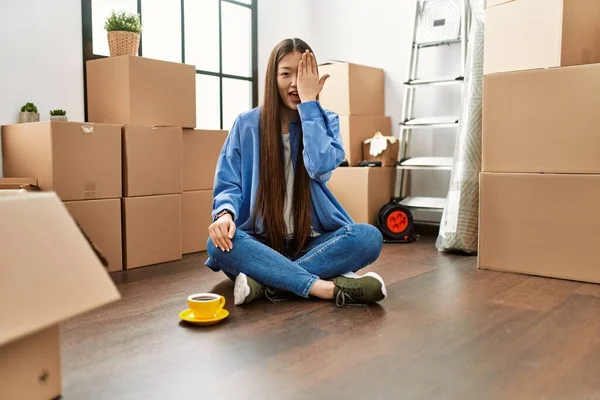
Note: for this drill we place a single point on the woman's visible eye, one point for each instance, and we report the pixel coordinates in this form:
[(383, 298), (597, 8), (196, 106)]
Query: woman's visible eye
[(285, 74)]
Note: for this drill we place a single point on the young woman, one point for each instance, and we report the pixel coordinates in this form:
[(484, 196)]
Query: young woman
[(277, 227)]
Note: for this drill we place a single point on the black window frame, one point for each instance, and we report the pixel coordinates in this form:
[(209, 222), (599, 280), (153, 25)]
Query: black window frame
[(88, 48)]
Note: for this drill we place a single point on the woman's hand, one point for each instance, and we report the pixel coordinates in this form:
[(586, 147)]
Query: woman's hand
[(309, 84), (222, 231)]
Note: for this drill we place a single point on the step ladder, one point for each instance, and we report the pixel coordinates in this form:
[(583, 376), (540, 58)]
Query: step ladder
[(431, 29)]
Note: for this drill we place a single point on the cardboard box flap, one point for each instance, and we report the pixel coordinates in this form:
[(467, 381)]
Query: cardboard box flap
[(17, 182), (332, 61), (494, 3), (48, 271)]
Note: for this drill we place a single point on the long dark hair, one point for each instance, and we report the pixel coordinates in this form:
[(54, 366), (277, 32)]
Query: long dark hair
[(271, 188)]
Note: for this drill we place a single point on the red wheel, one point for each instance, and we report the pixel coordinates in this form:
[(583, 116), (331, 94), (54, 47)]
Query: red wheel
[(397, 221)]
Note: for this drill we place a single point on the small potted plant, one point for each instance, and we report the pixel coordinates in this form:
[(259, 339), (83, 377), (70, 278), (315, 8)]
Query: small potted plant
[(58, 115), (29, 113), (123, 29)]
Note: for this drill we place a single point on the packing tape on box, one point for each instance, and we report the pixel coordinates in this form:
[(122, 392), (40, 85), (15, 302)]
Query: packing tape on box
[(89, 190)]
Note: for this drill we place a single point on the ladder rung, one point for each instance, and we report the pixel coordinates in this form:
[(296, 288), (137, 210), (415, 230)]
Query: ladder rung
[(444, 163), (446, 80), (431, 122), (436, 43), (425, 203)]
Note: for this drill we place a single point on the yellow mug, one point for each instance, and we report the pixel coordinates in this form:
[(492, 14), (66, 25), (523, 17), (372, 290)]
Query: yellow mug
[(206, 305)]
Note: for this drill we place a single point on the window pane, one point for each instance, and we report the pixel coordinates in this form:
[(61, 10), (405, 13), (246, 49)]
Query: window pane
[(100, 11), (237, 39), (208, 108), (245, 1), (237, 98), (161, 37), (202, 34)]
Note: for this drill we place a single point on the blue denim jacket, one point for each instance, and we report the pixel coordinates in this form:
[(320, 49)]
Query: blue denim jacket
[(237, 175)]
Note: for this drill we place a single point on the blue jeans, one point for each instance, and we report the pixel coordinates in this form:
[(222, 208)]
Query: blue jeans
[(348, 249)]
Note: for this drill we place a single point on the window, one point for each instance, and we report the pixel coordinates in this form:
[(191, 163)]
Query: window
[(219, 37)]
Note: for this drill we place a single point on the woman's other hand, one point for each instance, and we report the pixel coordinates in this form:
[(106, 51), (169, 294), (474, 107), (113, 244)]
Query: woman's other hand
[(309, 84), (222, 231)]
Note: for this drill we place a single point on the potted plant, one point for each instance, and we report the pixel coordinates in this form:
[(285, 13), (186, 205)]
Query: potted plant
[(58, 115), (29, 113), (123, 29)]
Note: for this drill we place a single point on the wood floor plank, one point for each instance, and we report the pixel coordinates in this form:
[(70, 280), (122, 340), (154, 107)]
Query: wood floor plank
[(446, 331)]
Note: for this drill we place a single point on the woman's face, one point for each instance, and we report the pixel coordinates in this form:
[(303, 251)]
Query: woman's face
[(287, 73)]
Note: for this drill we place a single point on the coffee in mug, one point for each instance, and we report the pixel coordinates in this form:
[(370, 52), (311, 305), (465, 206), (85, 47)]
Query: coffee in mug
[(206, 305)]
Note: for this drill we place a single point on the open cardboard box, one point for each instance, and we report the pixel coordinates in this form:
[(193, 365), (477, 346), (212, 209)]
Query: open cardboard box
[(48, 274)]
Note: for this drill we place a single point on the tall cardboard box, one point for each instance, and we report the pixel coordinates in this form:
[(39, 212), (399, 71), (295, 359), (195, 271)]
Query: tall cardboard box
[(141, 91), (541, 224), (355, 129), (69, 280), (542, 121), (152, 159), (76, 160), (101, 222), (353, 89), (196, 209), (362, 191), (201, 150), (151, 230), (530, 34)]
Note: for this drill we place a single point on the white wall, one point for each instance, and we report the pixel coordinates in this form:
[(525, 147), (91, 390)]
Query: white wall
[(278, 20), (40, 48)]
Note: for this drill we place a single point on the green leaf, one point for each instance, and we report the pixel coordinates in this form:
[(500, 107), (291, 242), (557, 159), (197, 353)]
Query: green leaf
[(123, 21), (29, 107)]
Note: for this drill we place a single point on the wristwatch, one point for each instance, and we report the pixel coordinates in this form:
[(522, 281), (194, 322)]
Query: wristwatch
[(219, 215)]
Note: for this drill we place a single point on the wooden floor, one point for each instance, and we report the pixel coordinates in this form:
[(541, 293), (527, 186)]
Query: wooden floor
[(446, 331)]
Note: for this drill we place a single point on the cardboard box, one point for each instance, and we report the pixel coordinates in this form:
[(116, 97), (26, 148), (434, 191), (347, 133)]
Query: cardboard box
[(101, 222), (76, 160), (201, 150), (69, 280), (196, 208), (529, 34), (542, 121), (540, 224), (151, 230), (151, 160), (353, 89), (355, 129), (141, 91), (362, 191)]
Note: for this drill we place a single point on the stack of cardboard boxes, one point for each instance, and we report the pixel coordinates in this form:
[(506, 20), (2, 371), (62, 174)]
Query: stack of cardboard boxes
[(137, 178), (540, 185), (82, 164), (201, 151), (356, 93)]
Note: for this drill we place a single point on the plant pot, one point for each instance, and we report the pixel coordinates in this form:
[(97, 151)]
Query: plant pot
[(123, 43), (58, 118), (26, 116)]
